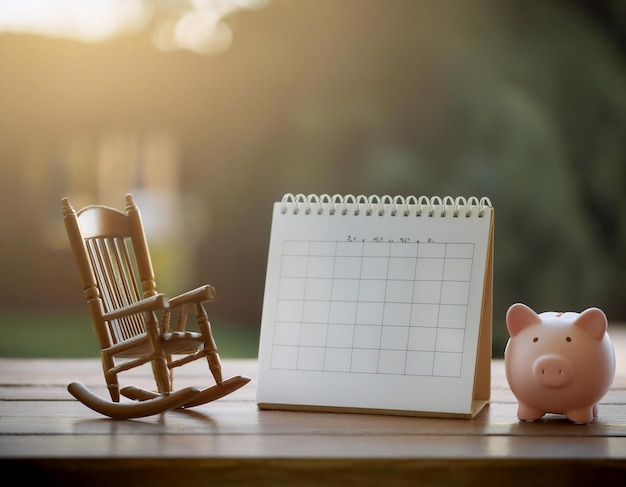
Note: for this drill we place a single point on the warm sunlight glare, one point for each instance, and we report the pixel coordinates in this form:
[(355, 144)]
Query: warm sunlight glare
[(195, 25), (92, 21)]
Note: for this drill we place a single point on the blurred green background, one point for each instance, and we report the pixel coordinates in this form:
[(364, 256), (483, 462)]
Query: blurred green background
[(215, 109)]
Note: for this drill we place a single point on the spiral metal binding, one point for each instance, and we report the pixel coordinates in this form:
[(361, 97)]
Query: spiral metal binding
[(382, 205)]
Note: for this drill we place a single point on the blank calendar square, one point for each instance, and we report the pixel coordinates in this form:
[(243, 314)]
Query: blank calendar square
[(345, 290), (287, 333), (454, 292), (392, 362), (369, 313), (313, 334), (321, 248), (394, 338), (422, 338), (315, 311), (425, 314), (340, 336), (311, 358), (420, 362), (399, 291), (452, 315), (337, 359), (319, 290), (293, 266), (457, 270), (373, 268), (366, 336), (347, 267), (447, 364), (449, 340), (292, 288), (289, 310), (427, 292), (285, 357), (397, 314), (320, 266), (402, 268), (372, 290), (364, 361), (429, 269), (343, 312)]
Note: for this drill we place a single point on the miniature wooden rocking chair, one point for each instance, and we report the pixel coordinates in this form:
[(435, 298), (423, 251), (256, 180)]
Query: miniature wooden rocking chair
[(132, 320)]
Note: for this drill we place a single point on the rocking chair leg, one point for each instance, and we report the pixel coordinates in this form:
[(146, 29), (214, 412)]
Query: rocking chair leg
[(213, 357), (111, 378), (161, 375), (160, 369), (114, 390), (216, 366), (171, 372)]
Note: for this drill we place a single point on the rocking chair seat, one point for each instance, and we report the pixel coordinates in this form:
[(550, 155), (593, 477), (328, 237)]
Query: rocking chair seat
[(174, 343)]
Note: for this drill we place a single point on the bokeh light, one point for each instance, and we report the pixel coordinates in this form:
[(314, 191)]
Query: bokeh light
[(196, 25)]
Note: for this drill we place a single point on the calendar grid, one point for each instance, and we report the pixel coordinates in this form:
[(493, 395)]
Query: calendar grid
[(396, 308)]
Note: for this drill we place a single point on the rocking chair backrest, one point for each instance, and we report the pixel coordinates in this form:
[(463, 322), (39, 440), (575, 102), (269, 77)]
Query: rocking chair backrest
[(112, 256)]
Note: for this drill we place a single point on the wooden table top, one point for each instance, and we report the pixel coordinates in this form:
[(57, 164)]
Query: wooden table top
[(46, 436)]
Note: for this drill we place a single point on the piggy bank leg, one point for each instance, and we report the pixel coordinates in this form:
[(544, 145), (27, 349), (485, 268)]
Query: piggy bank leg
[(595, 410), (528, 413), (581, 416)]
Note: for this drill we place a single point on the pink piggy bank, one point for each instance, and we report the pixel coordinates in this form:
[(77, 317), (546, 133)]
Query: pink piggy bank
[(560, 363)]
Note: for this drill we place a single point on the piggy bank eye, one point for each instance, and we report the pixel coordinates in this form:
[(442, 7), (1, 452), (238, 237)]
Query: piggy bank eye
[(536, 339), (568, 339)]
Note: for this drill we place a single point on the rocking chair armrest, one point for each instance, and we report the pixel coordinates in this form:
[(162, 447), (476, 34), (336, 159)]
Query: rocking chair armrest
[(158, 301), (198, 295)]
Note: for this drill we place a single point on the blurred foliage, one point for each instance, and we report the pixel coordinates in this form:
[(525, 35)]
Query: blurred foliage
[(523, 102), (69, 334)]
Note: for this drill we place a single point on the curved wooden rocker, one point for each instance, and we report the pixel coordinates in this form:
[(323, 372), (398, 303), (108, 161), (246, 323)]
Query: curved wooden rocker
[(202, 397), (132, 320), (115, 410)]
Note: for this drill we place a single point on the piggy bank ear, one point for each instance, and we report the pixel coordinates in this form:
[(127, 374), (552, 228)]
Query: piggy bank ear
[(594, 321), (519, 316)]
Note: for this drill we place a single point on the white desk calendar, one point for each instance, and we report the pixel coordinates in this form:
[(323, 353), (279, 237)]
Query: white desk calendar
[(378, 305)]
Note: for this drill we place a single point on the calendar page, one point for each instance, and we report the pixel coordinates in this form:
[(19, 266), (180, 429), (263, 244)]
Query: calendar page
[(373, 305)]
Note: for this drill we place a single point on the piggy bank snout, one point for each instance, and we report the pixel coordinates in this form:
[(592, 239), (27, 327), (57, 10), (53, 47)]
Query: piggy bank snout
[(553, 370)]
